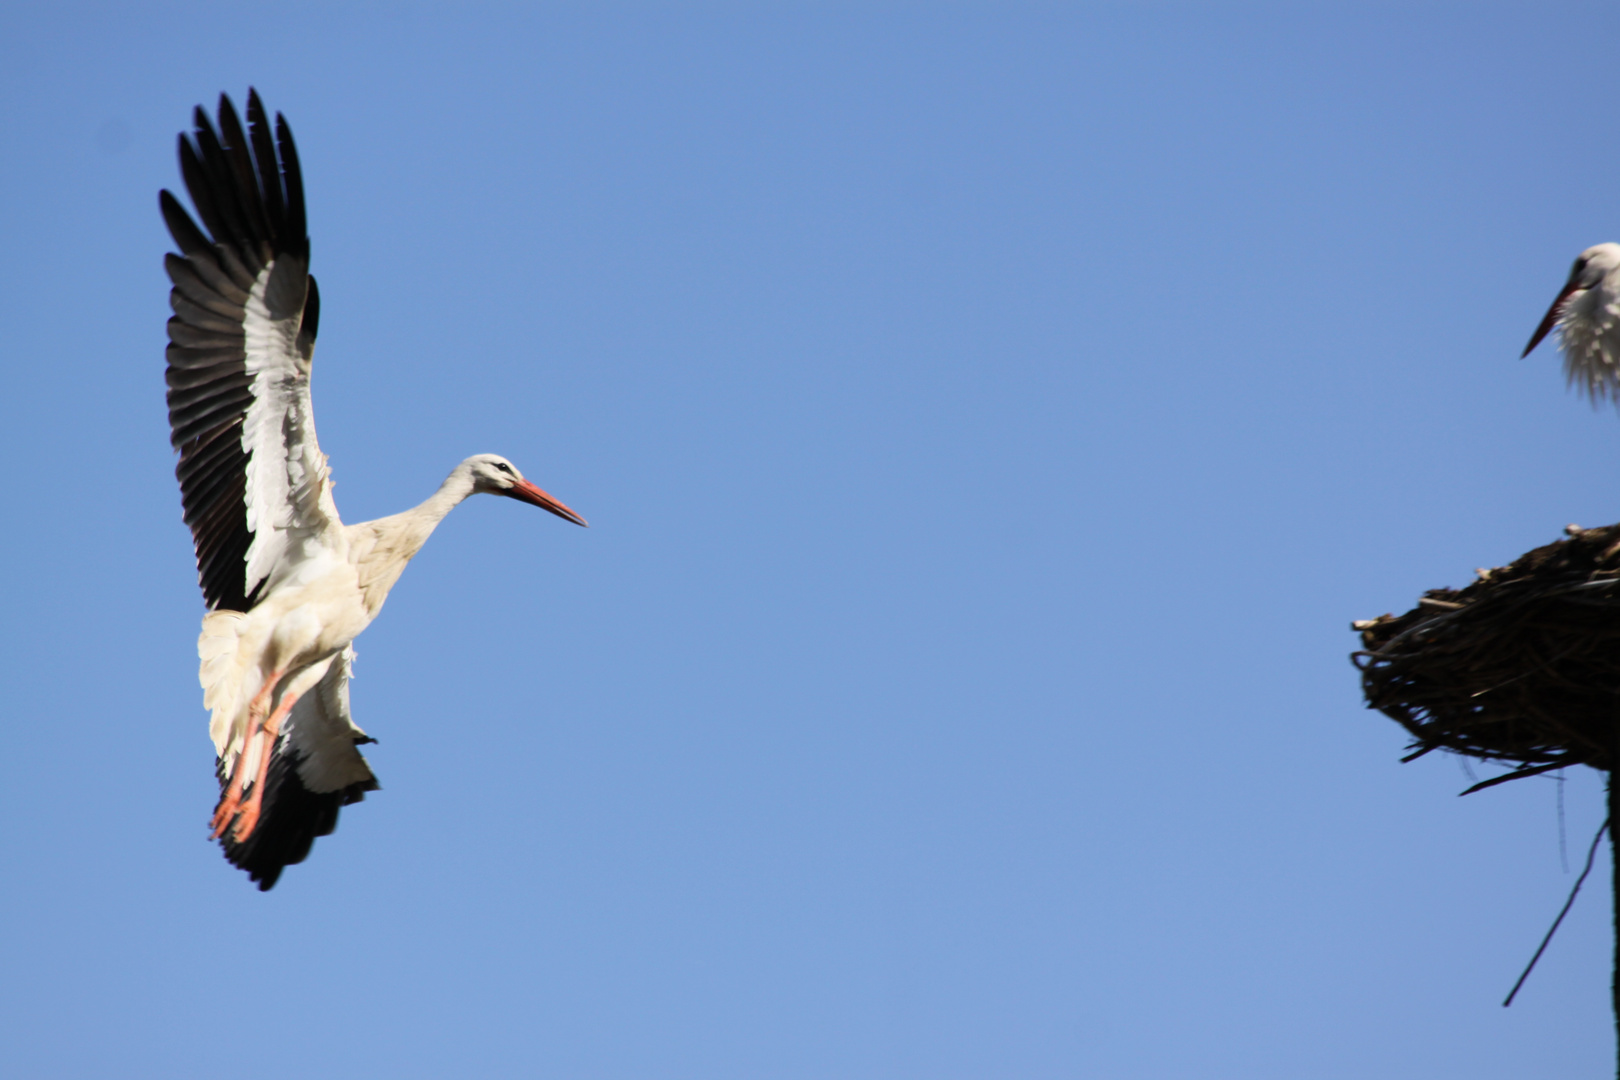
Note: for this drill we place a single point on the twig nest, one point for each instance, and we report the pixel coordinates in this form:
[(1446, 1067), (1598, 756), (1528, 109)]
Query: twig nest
[(1522, 666)]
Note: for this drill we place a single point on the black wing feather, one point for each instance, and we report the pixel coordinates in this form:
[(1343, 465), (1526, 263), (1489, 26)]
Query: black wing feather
[(248, 194), (198, 316), (264, 155), (292, 178), (216, 170), (246, 176), (198, 187), (190, 239), (310, 321)]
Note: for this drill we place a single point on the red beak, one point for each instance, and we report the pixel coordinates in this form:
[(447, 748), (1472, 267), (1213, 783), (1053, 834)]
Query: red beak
[(523, 491), (1550, 320)]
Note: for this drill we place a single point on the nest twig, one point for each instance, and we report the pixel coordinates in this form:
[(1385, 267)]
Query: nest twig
[(1521, 667)]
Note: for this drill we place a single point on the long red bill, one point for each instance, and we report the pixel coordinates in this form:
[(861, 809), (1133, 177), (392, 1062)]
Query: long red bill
[(1550, 320), (523, 491)]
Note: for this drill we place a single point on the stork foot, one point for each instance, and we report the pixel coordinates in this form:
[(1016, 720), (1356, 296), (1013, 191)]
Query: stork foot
[(229, 804), (248, 818), (231, 801)]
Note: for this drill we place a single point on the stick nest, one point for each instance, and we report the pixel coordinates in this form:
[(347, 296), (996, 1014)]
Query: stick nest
[(1522, 666)]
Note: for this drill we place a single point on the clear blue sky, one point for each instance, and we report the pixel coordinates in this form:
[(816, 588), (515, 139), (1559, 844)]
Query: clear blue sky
[(990, 419)]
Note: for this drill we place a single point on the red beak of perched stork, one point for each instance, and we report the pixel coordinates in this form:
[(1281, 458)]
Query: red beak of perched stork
[(1551, 319), (523, 491)]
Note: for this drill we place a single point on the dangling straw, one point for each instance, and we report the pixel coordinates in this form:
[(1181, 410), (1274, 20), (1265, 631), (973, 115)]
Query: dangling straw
[(1590, 855)]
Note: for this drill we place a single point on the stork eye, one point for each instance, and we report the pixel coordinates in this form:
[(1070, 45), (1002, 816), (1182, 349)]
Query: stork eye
[(504, 467)]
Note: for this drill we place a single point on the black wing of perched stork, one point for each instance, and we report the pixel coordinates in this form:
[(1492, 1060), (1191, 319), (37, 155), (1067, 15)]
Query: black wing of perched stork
[(242, 338)]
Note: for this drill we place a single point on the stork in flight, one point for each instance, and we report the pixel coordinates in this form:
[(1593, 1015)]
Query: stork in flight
[(288, 585), (1587, 314)]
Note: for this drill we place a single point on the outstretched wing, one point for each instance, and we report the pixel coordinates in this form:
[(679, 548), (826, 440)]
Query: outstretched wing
[(253, 481), (315, 769)]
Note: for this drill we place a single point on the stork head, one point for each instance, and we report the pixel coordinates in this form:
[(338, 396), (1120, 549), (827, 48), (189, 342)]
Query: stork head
[(1591, 269), (494, 475)]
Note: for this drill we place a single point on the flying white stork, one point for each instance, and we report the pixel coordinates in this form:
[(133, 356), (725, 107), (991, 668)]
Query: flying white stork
[(289, 586), (1587, 314)]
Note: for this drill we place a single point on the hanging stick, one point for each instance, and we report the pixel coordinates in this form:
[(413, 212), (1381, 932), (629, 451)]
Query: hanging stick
[(1614, 862), (1590, 856)]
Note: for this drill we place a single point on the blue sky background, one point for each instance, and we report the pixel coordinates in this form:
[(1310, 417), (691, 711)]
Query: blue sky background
[(990, 419)]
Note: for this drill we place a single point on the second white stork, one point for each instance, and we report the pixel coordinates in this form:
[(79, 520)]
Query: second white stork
[(289, 586), (1587, 315)]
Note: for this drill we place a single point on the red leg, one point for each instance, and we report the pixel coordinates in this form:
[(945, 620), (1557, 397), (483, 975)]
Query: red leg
[(249, 817), (231, 801)]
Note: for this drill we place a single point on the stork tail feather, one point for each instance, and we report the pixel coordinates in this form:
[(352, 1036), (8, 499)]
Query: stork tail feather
[(291, 819)]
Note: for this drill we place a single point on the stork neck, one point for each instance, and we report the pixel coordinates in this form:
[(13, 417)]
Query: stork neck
[(415, 525), (455, 489), (387, 544)]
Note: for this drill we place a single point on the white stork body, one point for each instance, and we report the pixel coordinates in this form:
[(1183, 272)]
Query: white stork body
[(1587, 315), (289, 585)]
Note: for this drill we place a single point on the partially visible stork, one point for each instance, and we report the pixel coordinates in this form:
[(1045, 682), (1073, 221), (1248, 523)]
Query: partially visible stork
[(288, 584), (1587, 314)]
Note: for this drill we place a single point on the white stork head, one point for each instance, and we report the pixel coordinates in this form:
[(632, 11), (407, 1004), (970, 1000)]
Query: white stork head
[(1587, 314), (494, 475)]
